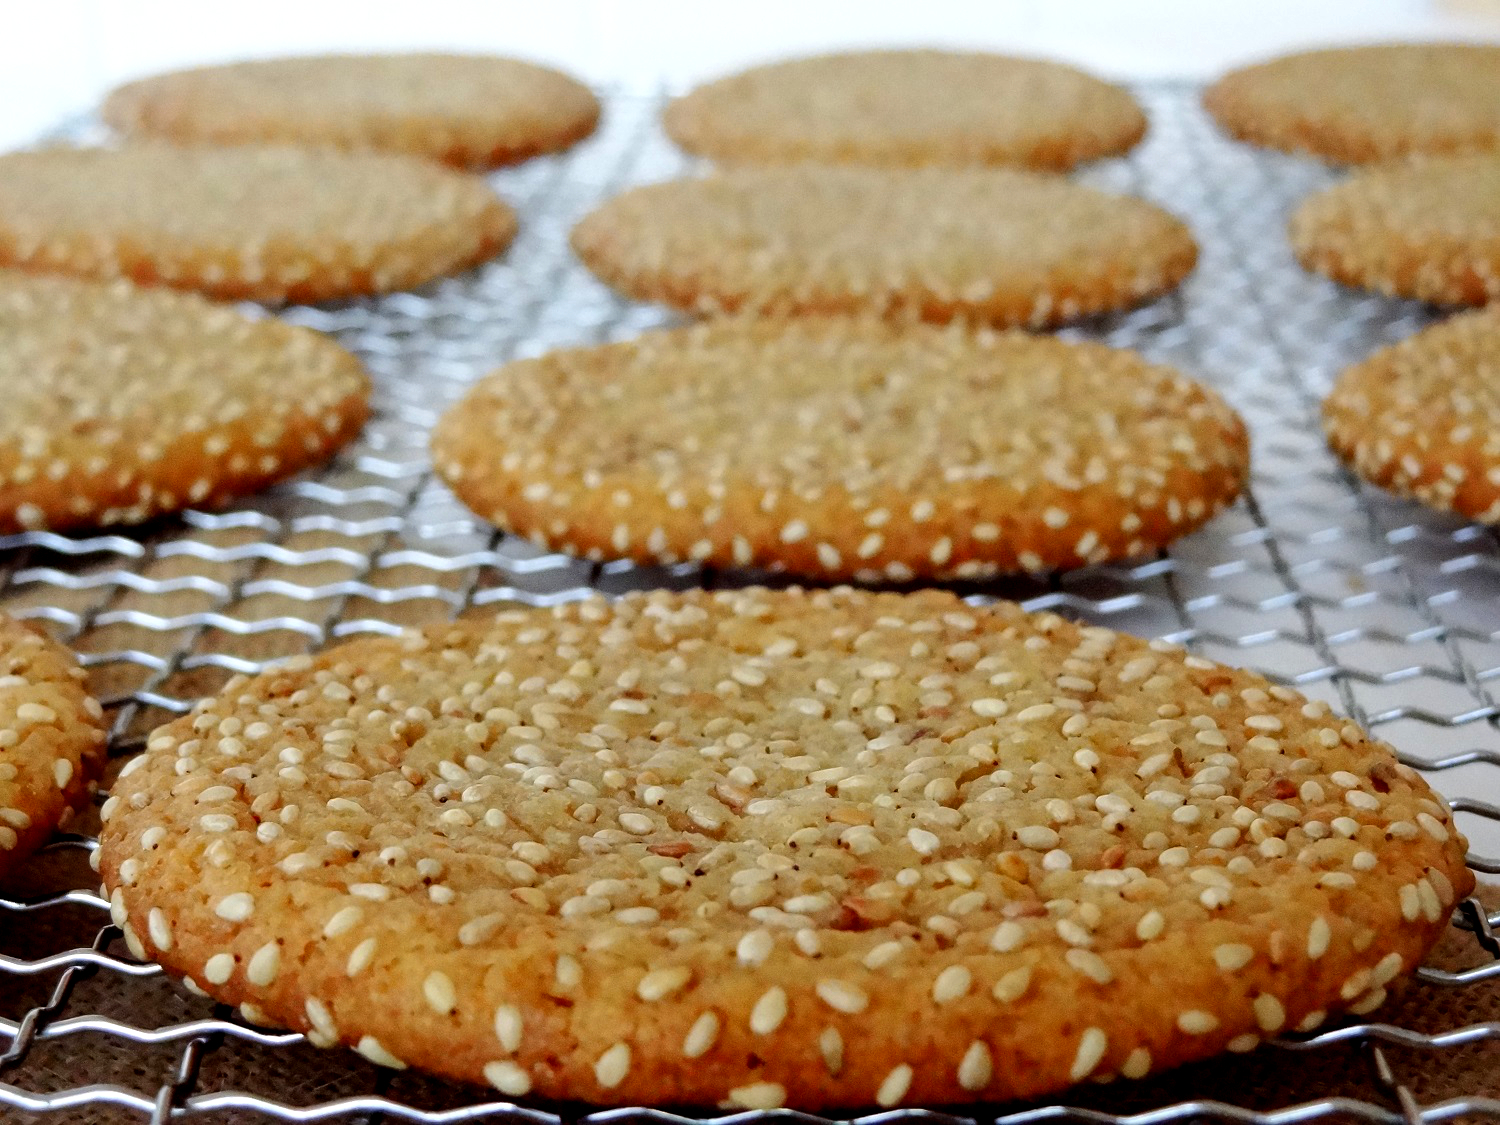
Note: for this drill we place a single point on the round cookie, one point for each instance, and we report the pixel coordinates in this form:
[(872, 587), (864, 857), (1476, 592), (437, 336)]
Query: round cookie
[(909, 108), (996, 245), (1428, 229), (752, 847), (52, 740), (467, 110), (122, 404), (257, 223), (843, 449), (1422, 417), (1361, 104)]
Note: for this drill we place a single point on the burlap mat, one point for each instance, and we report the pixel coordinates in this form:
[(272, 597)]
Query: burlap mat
[(302, 1076)]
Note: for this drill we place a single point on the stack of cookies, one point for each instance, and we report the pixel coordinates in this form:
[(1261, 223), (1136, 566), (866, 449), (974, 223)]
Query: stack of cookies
[(818, 847)]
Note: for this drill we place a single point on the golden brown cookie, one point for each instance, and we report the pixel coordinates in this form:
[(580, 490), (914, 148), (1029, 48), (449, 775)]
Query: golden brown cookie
[(1359, 104), (121, 404), (908, 108), (52, 740), (1422, 418), (1428, 229), (995, 245), (267, 224), (468, 110), (845, 449), (756, 847)]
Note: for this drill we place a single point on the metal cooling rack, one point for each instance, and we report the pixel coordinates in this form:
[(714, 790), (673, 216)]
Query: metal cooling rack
[(1383, 609)]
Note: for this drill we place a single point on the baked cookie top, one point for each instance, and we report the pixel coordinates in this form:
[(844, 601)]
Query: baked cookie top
[(263, 223), (1354, 105), (472, 111), (845, 449), (1000, 246), (909, 108), (754, 847), (1422, 417), (52, 740), (123, 403), (1428, 229)]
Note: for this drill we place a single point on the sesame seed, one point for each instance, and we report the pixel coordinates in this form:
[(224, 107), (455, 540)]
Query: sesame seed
[(440, 994), (769, 1011), (661, 983), (1091, 1047), (1090, 965), (507, 1077), (236, 907), (1196, 1022), (264, 964), (977, 1067), (1231, 956), (1012, 985), (952, 983), (1270, 1016), (508, 1027), (1318, 937), (758, 1095), (701, 1036), (372, 1049), (612, 1066), (894, 1087), (1137, 1064), (842, 996), (159, 930)]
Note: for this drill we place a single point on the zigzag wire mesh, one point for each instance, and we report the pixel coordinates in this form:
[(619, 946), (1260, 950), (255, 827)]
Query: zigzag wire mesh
[(1387, 611)]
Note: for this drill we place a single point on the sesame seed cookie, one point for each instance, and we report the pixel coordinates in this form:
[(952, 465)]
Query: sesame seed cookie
[(996, 245), (52, 740), (758, 847), (122, 404), (467, 110), (257, 223), (1422, 417), (909, 108), (1428, 229), (1355, 105), (842, 449)]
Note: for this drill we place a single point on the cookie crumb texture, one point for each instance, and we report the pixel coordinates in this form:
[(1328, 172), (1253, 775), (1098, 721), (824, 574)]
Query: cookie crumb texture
[(909, 108), (1355, 105), (256, 223), (999, 246), (845, 450), (1422, 417), (122, 404), (757, 847), (466, 110), (1427, 229), (52, 740)]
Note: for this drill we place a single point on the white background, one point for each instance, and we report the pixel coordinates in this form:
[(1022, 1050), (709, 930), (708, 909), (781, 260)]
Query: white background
[(58, 56)]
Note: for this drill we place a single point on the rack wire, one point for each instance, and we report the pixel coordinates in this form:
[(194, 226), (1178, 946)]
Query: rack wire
[(1381, 608)]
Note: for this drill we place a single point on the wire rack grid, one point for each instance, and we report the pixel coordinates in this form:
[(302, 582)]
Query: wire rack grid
[(1381, 608)]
